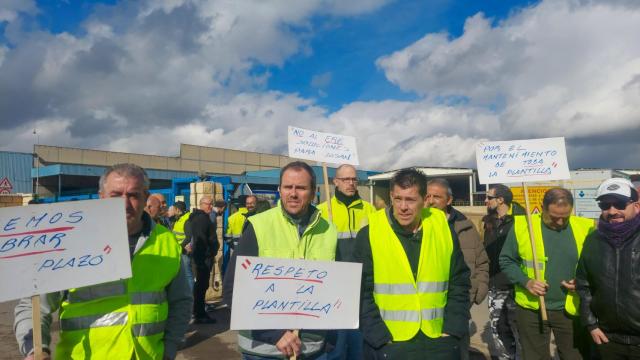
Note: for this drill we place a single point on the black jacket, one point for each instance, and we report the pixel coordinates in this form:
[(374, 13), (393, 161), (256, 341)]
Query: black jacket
[(456, 312), (495, 234), (202, 233), (608, 282)]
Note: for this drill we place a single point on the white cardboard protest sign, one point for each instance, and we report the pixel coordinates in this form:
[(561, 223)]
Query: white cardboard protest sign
[(53, 247), (295, 294), (322, 147), (522, 160)]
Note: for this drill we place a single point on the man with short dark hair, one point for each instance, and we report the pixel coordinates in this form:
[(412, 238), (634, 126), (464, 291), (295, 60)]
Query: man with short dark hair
[(497, 223), (440, 196), (415, 284), (559, 237), (143, 317), (608, 275), (293, 229), (349, 214)]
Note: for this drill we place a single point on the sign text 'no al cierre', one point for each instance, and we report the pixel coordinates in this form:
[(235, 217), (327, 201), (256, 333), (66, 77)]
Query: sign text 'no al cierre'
[(295, 294), (522, 161), (322, 147), (53, 247)]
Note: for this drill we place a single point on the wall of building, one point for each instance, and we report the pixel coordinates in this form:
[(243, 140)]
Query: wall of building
[(15, 172), (201, 159)]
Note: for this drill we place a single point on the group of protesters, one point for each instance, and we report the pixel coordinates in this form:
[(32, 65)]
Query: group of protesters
[(424, 264)]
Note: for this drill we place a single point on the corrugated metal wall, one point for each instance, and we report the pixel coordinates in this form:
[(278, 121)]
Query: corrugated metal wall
[(16, 167)]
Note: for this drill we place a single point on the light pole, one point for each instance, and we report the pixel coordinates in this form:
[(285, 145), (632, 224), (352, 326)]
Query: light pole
[(35, 132)]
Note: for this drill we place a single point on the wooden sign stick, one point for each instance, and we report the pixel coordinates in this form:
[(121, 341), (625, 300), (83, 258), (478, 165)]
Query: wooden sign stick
[(37, 327), (325, 177), (536, 271)]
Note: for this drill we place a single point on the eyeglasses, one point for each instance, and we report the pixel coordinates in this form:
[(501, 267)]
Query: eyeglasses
[(489, 197), (348, 179), (619, 205)]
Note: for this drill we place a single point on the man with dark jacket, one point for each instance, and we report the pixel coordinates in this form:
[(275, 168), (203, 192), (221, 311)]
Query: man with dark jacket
[(440, 196), (204, 243), (415, 284), (608, 274), (497, 223)]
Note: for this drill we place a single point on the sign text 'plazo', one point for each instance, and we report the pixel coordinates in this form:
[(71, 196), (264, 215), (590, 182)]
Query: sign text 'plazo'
[(53, 247)]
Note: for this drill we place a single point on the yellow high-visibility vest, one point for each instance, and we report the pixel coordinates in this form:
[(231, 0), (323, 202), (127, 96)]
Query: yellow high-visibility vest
[(278, 237), (178, 227), (123, 319), (348, 219), (235, 223), (409, 305), (581, 227)]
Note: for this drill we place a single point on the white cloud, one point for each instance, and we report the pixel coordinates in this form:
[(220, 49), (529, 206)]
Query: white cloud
[(10, 9), (148, 76)]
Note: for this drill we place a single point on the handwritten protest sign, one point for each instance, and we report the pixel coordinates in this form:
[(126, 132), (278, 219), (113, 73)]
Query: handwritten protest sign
[(295, 294), (322, 147), (522, 160), (53, 247)]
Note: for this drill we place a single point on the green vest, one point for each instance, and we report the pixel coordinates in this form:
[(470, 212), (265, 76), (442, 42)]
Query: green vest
[(178, 227), (347, 219), (123, 318), (409, 305), (581, 227), (278, 237)]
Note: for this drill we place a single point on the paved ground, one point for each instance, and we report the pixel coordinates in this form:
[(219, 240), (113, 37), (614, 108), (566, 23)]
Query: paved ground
[(216, 340)]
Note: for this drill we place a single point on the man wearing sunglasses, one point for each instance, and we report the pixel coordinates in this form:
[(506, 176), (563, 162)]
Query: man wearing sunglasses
[(608, 274), (559, 237)]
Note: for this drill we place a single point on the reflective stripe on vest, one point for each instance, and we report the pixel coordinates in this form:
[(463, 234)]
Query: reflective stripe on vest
[(93, 321), (580, 227), (409, 305), (347, 219), (178, 227), (126, 318)]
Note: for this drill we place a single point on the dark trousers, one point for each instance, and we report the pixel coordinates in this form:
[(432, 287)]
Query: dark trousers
[(200, 289), (419, 348), (535, 337), (617, 351)]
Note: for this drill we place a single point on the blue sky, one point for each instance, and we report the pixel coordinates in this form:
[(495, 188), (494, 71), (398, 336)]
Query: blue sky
[(416, 82), (344, 49)]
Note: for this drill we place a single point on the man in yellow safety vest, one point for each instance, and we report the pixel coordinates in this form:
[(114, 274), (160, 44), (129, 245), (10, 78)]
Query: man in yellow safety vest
[(415, 283), (144, 317), (293, 229), (559, 237), (235, 223)]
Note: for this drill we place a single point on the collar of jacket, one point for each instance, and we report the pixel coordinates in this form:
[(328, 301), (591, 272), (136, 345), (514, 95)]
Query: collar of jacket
[(347, 200), (309, 219), (398, 229), (147, 228)]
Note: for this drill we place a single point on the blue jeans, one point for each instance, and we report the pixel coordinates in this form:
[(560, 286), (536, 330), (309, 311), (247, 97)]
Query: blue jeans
[(348, 346), (186, 262)]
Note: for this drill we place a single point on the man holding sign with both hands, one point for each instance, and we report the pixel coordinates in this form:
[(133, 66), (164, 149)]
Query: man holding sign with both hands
[(293, 229), (143, 317)]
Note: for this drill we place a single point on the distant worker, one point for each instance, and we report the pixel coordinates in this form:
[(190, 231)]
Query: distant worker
[(204, 244), (440, 196), (143, 317), (608, 274), (153, 208), (559, 237), (415, 283), (292, 230), (163, 217), (236, 221), (350, 214), (181, 218)]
